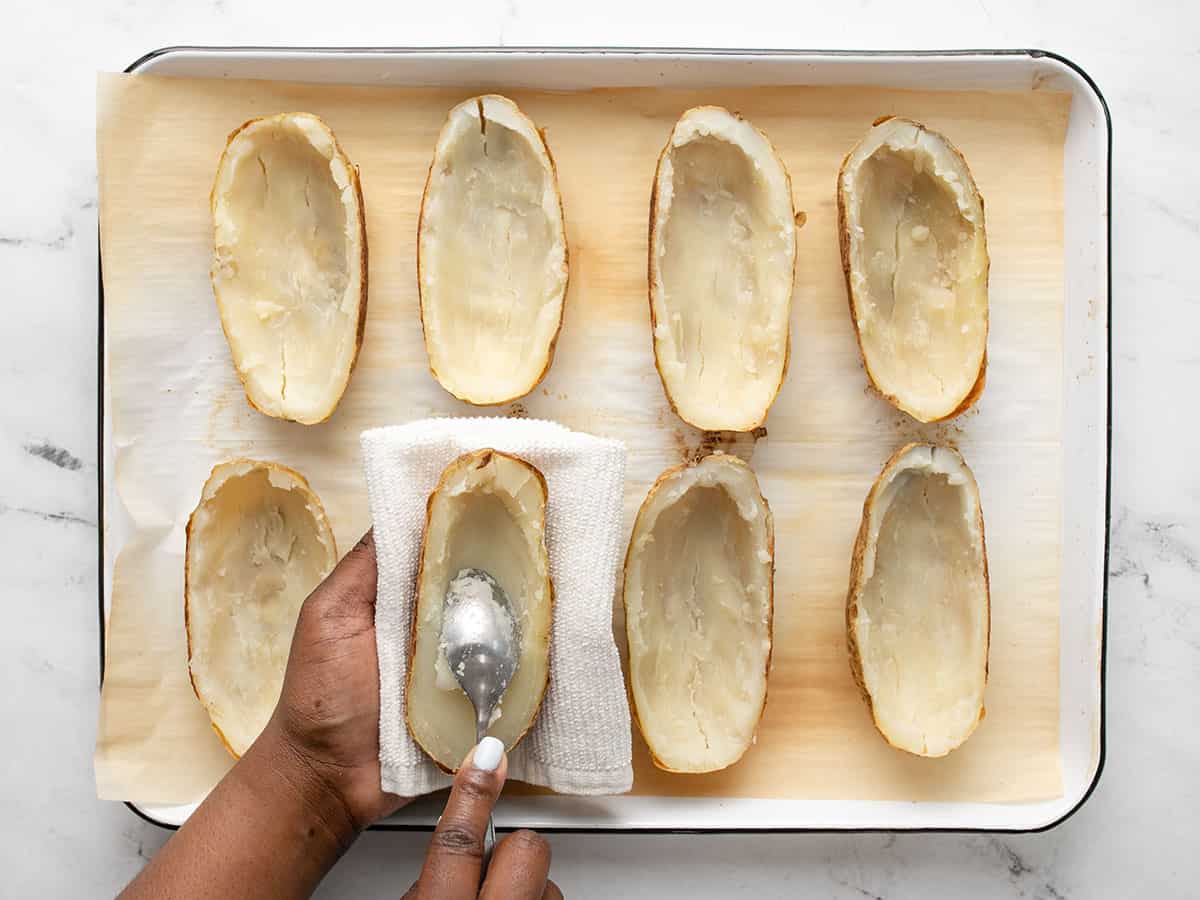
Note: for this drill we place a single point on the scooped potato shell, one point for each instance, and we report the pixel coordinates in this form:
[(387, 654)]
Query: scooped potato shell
[(519, 358), (242, 316), (733, 477), (532, 676), (204, 528), (903, 396), (863, 562), (678, 311)]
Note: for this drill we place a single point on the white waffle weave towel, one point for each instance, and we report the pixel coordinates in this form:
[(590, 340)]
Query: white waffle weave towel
[(580, 743)]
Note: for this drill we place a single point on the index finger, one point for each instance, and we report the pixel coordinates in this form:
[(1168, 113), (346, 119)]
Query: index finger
[(455, 858)]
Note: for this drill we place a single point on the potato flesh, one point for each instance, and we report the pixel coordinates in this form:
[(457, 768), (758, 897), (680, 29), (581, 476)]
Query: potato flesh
[(256, 550), (286, 266), (489, 517), (723, 261), (923, 617), (698, 607), (493, 254), (918, 269)]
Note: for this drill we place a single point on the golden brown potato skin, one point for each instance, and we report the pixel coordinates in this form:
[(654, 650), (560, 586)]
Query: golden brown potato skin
[(541, 133), (787, 351), (633, 709), (362, 261), (844, 245), (857, 582), (477, 458), (322, 518)]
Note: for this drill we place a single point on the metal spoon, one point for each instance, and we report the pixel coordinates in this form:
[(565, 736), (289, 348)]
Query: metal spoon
[(482, 646)]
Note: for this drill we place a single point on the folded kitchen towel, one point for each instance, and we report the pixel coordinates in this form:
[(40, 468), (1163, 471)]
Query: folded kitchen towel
[(580, 743)]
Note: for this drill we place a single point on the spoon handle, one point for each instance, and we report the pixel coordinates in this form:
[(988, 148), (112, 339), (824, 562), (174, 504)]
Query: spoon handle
[(482, 717)]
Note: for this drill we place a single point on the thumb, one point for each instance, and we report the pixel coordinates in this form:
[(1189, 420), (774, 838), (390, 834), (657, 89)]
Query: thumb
[(455, 855), (353, 582)]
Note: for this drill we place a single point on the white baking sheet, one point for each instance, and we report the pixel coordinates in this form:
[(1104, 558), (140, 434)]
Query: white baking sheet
[(1084, 372)]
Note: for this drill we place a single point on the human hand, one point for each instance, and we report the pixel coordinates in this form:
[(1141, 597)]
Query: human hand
[(327, 722), (328, 710), (521, 862), (282, 816)]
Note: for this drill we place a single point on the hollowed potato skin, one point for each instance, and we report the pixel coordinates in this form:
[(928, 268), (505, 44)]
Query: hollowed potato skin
[(361, 264), (422, 214), (976, 390), (476, 459), (743, 425), (861, 542), (664, 479), (321, 522)]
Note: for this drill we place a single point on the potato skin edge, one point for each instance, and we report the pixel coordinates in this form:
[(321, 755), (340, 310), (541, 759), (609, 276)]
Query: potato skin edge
[(464, 460), (553, 347), (360, 329), (665, 476), (857, 582), (322, 521), (973, 395), (653, 246)]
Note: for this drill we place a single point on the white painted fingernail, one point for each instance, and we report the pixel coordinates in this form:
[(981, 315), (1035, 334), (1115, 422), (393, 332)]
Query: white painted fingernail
[(487, 754)]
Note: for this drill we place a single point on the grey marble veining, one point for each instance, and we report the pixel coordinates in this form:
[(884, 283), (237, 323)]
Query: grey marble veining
[(1136, 837)]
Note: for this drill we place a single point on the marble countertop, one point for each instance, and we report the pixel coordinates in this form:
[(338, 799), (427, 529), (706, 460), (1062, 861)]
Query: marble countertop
[(1136, 836)]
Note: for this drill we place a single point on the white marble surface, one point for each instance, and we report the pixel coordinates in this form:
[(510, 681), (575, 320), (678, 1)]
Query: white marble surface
[(1137, 836)]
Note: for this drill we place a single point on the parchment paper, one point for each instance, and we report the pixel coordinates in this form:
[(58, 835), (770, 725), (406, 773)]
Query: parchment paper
[(177, 407)]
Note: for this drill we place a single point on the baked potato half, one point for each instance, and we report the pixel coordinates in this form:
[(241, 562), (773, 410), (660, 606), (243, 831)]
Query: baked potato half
[(289, 269), (487, 512), (491, 253), (698, 593), (722, 261), (918, 611), (915, 257), (258, 543)]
